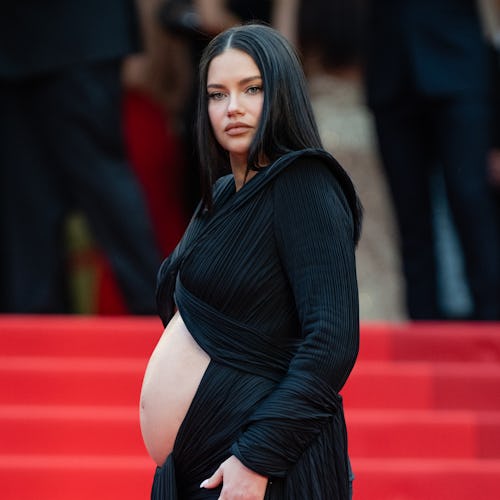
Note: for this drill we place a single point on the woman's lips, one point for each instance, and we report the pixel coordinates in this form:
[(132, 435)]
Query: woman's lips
[(237, 128)]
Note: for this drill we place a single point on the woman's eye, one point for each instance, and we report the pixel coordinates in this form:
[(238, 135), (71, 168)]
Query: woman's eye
[(216, 96), (254, 89)]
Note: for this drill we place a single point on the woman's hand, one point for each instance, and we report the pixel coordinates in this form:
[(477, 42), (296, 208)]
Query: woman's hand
[(238, 481)]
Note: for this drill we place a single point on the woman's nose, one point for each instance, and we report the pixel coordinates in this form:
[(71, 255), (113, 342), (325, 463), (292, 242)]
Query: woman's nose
[(234, 105)]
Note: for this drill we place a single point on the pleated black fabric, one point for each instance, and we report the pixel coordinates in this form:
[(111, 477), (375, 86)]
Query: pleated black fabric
[(266, 284), (225, 398)]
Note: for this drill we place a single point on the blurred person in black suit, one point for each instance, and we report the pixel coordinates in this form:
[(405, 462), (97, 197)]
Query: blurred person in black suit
[(490, 13), (61, 149), (427, 78)]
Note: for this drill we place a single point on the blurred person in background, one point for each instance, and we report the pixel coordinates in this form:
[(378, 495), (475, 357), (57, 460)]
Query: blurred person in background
[(330, 34), (153, 91), (490, 11), (61, 150), (428, 85)]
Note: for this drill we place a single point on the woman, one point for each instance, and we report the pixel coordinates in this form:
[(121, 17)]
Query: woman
[(241, 394)]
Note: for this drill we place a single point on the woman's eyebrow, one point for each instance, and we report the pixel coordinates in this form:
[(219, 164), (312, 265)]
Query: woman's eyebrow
[(241, 82)]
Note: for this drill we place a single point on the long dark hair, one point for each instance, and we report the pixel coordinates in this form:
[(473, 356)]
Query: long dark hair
[(287, 122)]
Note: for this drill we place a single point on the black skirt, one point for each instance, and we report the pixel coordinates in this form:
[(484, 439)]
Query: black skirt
[(223, 402)]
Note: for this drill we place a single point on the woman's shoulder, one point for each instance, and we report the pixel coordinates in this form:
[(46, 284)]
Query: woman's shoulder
[(308, 165), (221, 183), (308, 183), (221, 186), (316, 171)]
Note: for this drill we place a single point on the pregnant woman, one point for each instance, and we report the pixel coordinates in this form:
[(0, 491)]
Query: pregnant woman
[(241, 396)]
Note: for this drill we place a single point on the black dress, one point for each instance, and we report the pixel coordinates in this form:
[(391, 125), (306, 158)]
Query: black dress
[(266, 284)]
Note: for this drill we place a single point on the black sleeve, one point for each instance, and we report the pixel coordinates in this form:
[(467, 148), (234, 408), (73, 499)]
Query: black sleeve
[(314, 235)]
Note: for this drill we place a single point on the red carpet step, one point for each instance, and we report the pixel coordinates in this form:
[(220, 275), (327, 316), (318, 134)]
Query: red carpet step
[(99, 430), (422, 434), (92, 381), (429, 479), (422, 406), (82, 336), (127, 337), (424, 385), (435, 342), (75, 477)]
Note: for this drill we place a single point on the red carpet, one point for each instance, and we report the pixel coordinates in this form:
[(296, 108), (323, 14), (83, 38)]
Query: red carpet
[(423, 410)]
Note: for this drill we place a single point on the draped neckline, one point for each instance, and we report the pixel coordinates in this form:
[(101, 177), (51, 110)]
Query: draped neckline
[(228, 197), (258, 173)]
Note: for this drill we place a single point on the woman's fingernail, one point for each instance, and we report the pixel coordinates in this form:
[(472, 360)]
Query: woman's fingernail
[(202, 485)]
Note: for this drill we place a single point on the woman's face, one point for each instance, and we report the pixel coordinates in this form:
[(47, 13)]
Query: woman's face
[(235, 98)]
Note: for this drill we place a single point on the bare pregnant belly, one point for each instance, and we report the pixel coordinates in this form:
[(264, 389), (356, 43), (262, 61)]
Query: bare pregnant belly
[(172, 377)]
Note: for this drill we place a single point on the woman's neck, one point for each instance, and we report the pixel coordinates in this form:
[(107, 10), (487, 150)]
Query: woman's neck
[(241, 176), (240, 173), (239, 169)]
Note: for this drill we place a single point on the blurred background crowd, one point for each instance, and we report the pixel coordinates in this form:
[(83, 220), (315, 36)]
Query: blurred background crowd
[(98, 175)]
